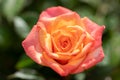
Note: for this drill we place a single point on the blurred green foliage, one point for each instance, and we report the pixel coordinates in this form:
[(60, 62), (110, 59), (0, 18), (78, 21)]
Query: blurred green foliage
[(17, 17)]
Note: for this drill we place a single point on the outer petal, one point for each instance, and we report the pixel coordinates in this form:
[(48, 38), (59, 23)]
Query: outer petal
[(96, 53), (89, 25), (94, 30), (48, 16), (56, 16), (31, 45), (54, 12), (92, 59)]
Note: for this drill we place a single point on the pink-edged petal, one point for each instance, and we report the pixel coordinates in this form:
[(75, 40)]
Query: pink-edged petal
[(94, 30), (54, 12), (67, 19), (97, 34), (92, 59), (48, 16), (31, 45), (89, 25)]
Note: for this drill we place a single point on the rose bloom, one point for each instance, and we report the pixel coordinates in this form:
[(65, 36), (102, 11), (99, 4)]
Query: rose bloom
[(64, 42)]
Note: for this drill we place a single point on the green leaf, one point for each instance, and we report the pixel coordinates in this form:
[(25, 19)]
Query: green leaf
[(93, 3), (5, 36), (21, 27), (85, 11), (48, 4), (26, 74), (24, 62), (116, 74), (12, 7), (88, 12), (115, 49), (113, 22), (30, 17), (80, 76), (69, 3)]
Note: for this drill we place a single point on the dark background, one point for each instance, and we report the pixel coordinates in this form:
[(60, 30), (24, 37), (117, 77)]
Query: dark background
[(17, 17)]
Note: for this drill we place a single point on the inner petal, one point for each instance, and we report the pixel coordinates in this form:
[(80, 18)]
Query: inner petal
[(61, 41), (62, 62), (65, 43)]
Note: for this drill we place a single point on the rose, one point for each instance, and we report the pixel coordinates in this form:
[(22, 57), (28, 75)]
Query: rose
[(64, 42)]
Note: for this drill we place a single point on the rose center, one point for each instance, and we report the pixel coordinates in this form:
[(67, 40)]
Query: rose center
[(65, 43)]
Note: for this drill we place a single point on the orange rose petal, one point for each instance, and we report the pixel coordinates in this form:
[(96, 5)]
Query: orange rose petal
[(59, 32), (75, 61), (58, 55), (69, 19), (92, 59), (76, 32), (57, 38), (72, 64), (44, 38), (55, 47), (80, 41), (53, 64), (84, 51)]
